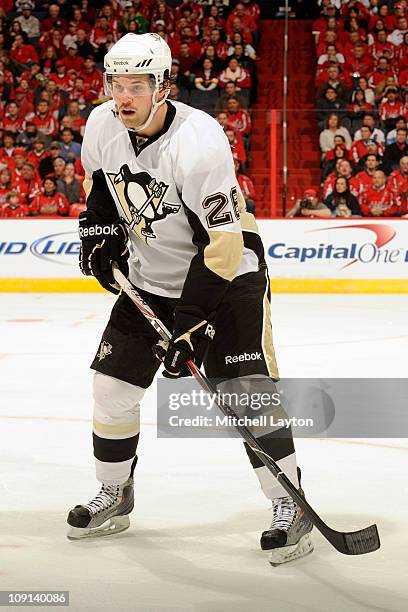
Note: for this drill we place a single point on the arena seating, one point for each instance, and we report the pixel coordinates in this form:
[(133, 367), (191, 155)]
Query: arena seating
[(360, 82), (51, 63)]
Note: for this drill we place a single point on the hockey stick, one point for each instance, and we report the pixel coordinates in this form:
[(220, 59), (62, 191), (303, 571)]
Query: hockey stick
[(349, 543)]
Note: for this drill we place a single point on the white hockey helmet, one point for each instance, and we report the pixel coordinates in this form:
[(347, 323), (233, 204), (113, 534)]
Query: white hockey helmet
[(139, 54)]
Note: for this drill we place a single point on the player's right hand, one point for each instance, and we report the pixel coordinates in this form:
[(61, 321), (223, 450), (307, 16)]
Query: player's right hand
[(102, 243), (189, 341)]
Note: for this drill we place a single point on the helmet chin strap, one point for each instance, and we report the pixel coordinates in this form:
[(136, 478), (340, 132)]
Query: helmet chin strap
[(154, 107)]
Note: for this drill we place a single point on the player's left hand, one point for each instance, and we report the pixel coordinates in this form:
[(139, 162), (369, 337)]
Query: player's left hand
[(189, 341)]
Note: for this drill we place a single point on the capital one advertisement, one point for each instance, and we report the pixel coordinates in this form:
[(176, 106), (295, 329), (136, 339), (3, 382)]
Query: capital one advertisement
[(332, 249), (357, 248)]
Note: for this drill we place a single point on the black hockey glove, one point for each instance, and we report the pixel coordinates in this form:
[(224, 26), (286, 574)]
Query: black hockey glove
[(102, 243), (189, 341)]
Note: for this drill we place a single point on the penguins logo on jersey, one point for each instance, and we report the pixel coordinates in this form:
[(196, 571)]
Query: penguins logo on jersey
[(141, 199), (105, 349)]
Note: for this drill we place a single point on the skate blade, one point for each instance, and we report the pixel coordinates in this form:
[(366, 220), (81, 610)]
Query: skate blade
[(116, 524), (290, 553)]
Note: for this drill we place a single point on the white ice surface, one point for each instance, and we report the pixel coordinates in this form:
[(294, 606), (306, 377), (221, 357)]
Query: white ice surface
[(194, 537)]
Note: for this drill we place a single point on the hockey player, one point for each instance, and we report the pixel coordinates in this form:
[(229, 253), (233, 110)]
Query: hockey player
[(162, 174)]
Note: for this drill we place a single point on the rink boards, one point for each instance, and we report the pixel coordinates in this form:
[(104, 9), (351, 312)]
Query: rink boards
[(329, 256)]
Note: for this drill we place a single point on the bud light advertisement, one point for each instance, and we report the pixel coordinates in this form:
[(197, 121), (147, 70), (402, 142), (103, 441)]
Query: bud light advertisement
[(39, 249)]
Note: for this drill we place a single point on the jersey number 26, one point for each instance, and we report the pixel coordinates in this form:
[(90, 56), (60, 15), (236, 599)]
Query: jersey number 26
[(217, 202)]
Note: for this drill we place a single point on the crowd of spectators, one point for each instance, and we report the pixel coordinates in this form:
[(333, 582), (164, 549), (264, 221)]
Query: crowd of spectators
[(362, 107), (51, 65)]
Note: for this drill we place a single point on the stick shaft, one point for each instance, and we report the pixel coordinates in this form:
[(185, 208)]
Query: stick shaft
[(359, 542)]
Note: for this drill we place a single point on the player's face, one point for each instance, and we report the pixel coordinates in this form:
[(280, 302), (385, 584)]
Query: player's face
[(133, 98)]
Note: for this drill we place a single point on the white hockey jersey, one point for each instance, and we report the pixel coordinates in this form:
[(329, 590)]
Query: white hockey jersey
[(180, 198)]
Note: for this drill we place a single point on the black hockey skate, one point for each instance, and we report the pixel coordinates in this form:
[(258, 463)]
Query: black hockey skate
[(288, 536), (106, 514)]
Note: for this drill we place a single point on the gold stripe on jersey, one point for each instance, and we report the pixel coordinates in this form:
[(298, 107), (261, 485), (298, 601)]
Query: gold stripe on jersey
[(267, 340), (87, 185), (223, 254), (248, 222), (124, 429), (247, 219)]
